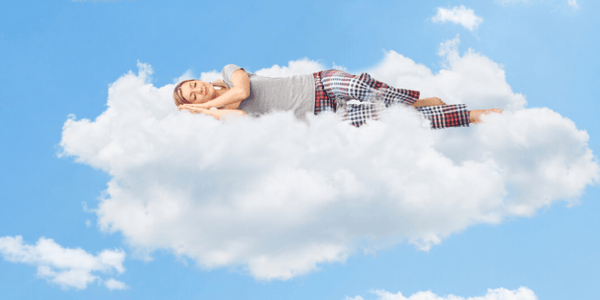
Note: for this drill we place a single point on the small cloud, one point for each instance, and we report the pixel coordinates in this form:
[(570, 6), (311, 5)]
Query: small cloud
[(113, 284), (69, 268), (573, 4), (341, 68), (458, 15), (522, 293)]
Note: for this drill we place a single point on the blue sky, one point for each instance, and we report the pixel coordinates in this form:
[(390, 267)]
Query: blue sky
[(60, 57)]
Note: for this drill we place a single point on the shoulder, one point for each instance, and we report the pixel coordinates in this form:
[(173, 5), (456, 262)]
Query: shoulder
[(227, 72), (230, 68)]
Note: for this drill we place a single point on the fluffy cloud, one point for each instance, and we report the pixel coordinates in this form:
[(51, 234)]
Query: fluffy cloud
[(113, 284), (298, 67), (458, 15), (496, 294), (69, 268), (295, 67), (573, 4), (278, 197)]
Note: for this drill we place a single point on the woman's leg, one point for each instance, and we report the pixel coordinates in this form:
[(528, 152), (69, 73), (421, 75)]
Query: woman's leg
[(334, 89), (443, 116), (345, 87), (475, 115)]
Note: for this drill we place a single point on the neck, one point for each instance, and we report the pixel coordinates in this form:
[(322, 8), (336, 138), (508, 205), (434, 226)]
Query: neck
[(219, 92)]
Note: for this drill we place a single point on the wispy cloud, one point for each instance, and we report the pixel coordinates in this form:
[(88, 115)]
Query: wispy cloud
[(573, 4), (279, 197), (458, 15), (69, 268), (492, 294)]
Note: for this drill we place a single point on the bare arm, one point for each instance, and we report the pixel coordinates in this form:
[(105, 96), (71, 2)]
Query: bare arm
[(219, 114), (239, 91)]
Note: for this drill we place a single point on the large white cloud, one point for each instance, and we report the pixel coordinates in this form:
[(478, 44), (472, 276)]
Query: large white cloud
[(69, 268), (278, 197), (522, 293), (458, 15)]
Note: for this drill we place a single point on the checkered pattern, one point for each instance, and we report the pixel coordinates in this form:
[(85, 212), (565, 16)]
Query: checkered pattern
[(334, 90), (442, 116)]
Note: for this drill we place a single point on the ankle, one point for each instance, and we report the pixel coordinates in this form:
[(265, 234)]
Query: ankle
[(475, 115)]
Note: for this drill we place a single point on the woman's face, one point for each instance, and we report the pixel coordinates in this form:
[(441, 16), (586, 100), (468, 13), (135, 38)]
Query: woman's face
[(196, 91)]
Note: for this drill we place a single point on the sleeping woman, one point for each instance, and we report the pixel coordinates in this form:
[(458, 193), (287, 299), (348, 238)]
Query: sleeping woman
[(244, 93)]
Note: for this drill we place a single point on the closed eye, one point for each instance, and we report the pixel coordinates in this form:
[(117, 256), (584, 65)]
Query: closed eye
[(195, 84)]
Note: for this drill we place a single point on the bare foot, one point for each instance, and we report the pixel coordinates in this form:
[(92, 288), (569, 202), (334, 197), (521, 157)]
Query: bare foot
[(475, 115), (432, 101)]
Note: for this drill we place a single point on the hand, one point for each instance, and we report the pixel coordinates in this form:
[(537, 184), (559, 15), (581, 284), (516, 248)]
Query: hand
[(208, 104), (193, 108), (205, 105)]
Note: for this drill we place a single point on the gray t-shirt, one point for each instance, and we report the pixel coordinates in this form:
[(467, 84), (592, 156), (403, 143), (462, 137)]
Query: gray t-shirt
[(295, 93)]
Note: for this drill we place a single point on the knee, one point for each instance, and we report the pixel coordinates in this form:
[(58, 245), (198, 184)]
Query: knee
[(365, 77)]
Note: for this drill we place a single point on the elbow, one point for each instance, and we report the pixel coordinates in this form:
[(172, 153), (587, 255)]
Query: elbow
[(244, 93), (241, 92)]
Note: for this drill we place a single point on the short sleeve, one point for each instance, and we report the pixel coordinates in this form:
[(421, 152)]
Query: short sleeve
[(228, 71)]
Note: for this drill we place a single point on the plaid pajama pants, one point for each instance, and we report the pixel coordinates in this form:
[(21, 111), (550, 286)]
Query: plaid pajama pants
[(335, 89)]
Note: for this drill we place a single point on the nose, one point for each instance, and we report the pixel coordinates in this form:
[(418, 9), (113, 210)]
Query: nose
[(198, 89)]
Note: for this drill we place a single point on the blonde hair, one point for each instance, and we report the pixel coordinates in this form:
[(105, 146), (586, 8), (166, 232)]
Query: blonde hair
[(177, 94)]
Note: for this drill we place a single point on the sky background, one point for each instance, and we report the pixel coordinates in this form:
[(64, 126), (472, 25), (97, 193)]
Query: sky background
[(60, 57)]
